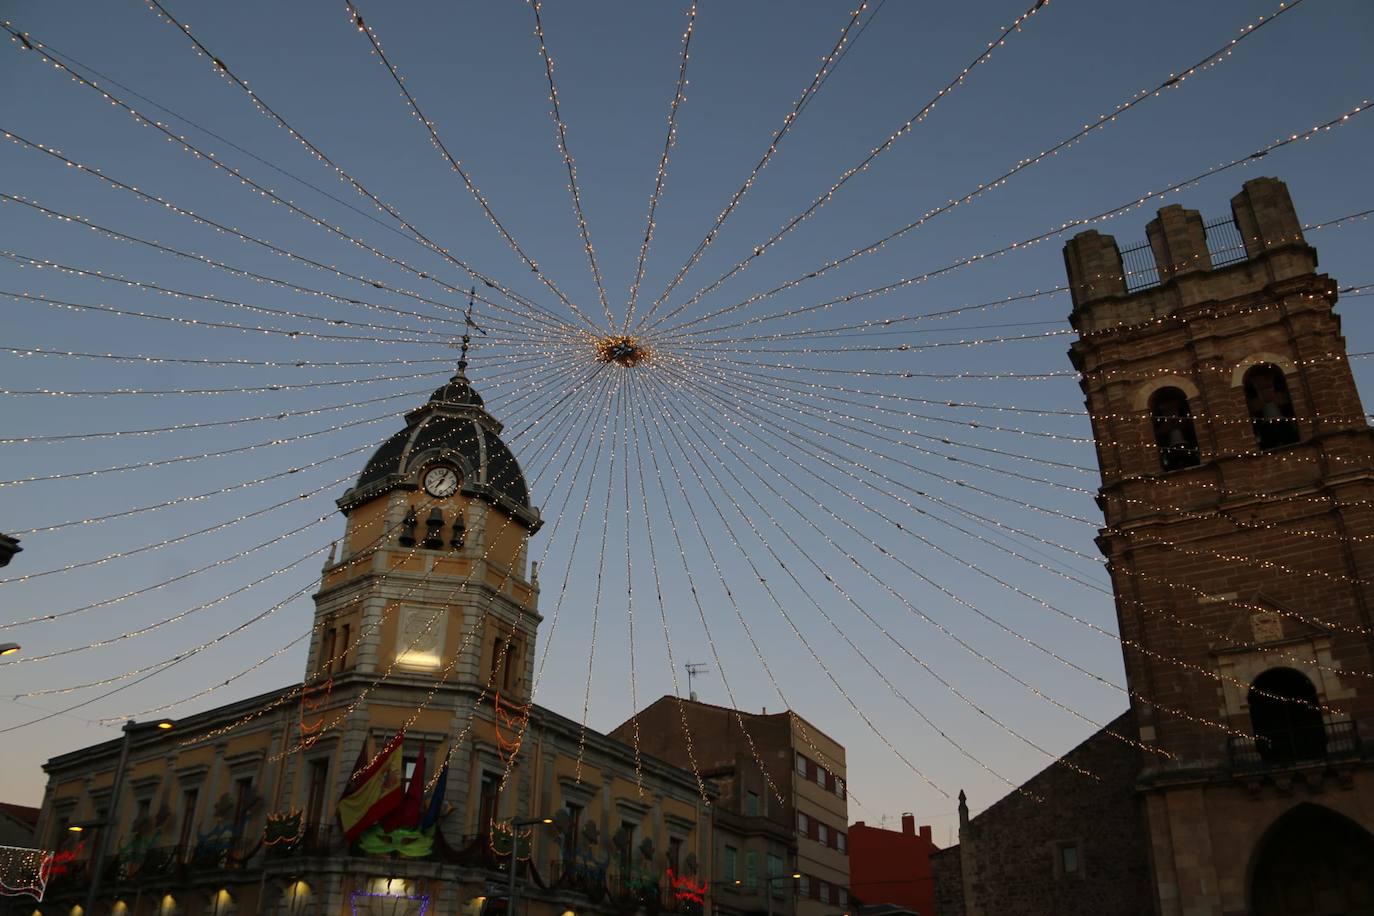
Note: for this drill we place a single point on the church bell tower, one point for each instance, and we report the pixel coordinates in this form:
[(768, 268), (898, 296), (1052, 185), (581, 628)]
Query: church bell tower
[(1238, 495)]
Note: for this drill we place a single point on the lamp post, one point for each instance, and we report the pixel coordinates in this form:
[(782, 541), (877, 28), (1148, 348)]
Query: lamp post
[(515, 826), (111, 819), (8, 648), (768, 888)]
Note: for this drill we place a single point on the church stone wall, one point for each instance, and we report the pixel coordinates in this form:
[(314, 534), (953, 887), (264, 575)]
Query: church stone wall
[(1009, 861)]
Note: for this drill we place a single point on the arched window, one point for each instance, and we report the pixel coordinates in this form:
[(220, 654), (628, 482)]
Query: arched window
[(1286, 718), (1174, 433), (1271, 406)]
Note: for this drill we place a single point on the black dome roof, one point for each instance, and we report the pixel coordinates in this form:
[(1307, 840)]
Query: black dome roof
[(453, 426)]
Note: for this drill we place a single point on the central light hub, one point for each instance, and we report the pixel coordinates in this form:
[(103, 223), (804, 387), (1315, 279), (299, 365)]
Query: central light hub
[(622, 349)]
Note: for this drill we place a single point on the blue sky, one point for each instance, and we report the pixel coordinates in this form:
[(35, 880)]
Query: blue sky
[(476, 70)]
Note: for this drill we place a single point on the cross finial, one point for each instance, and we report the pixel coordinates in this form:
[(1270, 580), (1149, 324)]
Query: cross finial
[(467, 337)]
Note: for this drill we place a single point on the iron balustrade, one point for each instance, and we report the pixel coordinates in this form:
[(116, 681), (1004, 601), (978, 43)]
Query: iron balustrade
[(1339, 740), (1224, 244)]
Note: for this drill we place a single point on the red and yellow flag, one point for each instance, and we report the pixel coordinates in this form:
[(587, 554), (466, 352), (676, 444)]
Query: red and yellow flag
[(373, 792)]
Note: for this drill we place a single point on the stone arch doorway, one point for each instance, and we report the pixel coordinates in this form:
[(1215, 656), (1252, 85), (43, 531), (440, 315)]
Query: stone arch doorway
[(1313, 862)]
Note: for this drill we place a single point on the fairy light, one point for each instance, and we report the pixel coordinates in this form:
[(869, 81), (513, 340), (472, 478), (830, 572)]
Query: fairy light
[(601, 395), (816, 81), (701, 613), (67, 58), (614, 412), (820, 754), (713, 346), (518, 375), (327, 664), (24, 872), (181, 657), (948, 593), (349, 710), (229, 489), (198, 322), (1262, 563), (568, 162), (237, 389), (157, 545), (878, 580), (207, 261), (1183, 511), (259, 617), (661, 176), (44, 264), (813, 447), (636, 422), (223, 69), (681, 328), (180, 615), (260, 189), (1173, 81), (186, 459), (438, 144), (164, 583), (863, 165), (672, 355), (229, 362), (701, 533), (863, 611)]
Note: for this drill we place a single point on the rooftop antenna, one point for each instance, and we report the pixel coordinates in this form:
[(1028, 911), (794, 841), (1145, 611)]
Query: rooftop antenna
[(693, 669)]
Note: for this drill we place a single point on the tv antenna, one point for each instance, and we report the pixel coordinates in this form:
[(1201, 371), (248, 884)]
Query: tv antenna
[(693, 669)]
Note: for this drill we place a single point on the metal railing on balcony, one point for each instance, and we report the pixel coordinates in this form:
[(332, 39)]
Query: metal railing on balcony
[(1224, 244), (1292, 747)]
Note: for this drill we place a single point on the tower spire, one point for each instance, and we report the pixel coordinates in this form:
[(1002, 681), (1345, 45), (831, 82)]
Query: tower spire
[(468, 324)]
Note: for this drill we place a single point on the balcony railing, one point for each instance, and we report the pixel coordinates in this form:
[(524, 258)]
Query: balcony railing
[(1224, 245), (1338, 740)]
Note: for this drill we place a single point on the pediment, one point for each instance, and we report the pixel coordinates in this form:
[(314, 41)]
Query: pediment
[(1261, 622)]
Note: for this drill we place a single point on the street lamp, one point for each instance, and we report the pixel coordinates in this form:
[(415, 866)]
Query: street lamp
[(515, 826), (111, 818), (8, 648), (768, 888)]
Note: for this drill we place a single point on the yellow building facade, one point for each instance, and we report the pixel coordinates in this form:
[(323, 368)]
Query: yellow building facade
[(426, 622)]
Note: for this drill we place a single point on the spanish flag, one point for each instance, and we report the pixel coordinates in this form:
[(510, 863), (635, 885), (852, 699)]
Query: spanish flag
[(373, 792)]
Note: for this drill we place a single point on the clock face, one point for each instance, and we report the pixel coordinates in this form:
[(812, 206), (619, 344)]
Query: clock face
[(441, 481)]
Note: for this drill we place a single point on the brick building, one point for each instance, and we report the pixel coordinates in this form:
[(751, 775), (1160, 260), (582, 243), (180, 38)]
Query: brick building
[(892, 866), (782, 785), (1238, 494)]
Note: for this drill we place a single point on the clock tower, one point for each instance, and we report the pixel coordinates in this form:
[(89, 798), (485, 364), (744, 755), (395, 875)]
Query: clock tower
[(431, 583)]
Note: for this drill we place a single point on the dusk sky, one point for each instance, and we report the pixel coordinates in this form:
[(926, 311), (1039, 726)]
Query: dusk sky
[(753, 455)]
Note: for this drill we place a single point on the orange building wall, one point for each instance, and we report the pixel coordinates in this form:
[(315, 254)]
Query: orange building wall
[(887, 866)]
